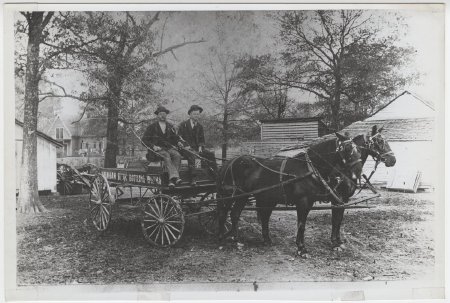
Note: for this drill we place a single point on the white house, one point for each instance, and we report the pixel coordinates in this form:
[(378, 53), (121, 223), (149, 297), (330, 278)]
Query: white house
[(409, 124), (46, 159)]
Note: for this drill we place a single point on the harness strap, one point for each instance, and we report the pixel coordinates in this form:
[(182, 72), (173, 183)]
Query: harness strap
[(322, 180), (283, 166)]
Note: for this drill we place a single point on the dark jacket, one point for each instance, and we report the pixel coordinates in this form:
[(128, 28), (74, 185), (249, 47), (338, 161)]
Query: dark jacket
[(195, 137), (154, 136)]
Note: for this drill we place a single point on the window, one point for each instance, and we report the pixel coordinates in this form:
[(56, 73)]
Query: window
[(100, 145), (59, 133), (95, 145)]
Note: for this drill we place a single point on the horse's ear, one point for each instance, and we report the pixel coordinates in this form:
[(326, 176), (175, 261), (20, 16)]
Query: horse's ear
[(374, 130), (340, 137)]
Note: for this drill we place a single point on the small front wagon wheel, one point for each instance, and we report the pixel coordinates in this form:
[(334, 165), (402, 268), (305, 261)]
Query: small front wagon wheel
[(100, 202), (162, 220), (209, 218)]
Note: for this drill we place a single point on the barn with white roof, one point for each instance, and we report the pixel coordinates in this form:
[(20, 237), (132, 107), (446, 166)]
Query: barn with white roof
[(409, 127)]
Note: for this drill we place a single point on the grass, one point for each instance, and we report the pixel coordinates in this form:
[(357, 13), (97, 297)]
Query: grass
[(393, 241)]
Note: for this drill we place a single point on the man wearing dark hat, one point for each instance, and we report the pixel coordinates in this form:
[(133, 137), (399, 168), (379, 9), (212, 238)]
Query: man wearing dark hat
[(192, 133), (162, 139)]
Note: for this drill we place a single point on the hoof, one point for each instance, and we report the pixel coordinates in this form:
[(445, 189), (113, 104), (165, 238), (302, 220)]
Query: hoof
[(303, 255)]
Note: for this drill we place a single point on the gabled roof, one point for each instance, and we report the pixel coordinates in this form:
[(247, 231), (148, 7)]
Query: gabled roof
[(404, 106), (63, 124), (43, 136)]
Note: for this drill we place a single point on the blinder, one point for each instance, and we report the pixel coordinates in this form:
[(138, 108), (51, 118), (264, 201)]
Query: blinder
[(341, 151)]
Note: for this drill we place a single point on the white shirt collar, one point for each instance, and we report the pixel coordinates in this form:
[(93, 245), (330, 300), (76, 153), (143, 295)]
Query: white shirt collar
[(163, 126), (192, 123)]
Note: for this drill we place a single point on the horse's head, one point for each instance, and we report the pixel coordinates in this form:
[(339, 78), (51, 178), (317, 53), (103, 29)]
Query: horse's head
[(350, 155), (379, 145)]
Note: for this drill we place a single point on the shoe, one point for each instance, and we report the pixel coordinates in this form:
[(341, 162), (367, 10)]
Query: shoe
[(177, 181), (171, 184)]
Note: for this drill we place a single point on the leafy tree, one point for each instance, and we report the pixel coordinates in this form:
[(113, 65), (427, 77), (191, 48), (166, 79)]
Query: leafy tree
[(269, 99), (343, 58), (123, 63), (40, 32)]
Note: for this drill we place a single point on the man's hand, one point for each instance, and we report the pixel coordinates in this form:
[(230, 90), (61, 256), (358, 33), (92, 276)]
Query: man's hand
[(180, 145), (156, 148)]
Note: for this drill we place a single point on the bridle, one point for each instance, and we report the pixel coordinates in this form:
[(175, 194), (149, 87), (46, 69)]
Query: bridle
[(374, 146), (340, 149)]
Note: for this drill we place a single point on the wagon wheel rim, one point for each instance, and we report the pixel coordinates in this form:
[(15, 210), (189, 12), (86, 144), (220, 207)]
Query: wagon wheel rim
[(210, 219), (100, 203), (162, 221)]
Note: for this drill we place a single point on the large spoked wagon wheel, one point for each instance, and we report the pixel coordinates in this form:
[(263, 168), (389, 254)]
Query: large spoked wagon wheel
[(100, 202), (162, 220), (209, 219)]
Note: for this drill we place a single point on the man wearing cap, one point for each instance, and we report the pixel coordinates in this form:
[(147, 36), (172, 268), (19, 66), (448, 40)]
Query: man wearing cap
[(162, 139), (191, 131)]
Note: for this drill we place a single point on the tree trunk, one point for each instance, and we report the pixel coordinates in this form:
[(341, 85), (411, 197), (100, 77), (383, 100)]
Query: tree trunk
[(28, 189), (225, 135), (336, 103), (112, 126)]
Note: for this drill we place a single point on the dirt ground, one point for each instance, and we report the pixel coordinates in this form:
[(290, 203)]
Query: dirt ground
[(62, 247)]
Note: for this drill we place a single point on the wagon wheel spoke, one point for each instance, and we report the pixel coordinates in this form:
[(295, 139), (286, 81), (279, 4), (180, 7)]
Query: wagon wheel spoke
[(157, 206), (155, 229), (176, 229), (175, 222), (155, 213), (170, 232), (168, 212), (210, 222), (162, 206), (151, 215), (152, 225), (166, 235), (105, 209), (162, 220), (172, 216), (100, 202), (105, 197)]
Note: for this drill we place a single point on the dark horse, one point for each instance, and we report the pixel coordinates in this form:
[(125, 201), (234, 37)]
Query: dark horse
[(373, 145), (332, 157), (376, 146)]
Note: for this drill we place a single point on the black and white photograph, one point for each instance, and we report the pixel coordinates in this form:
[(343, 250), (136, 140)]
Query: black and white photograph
[(268, 151)]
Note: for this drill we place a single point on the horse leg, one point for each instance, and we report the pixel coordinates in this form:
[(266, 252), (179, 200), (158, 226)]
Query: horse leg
[(303, 209), (235, 214), (265, 216), (337, 214)]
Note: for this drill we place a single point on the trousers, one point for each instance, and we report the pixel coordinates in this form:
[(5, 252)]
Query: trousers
[(172, 161)]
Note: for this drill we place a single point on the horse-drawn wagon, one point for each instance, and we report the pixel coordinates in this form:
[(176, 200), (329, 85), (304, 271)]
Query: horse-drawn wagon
[(163, 209)]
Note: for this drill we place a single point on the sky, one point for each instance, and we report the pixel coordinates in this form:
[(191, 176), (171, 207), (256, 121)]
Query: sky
[(252, 32)]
